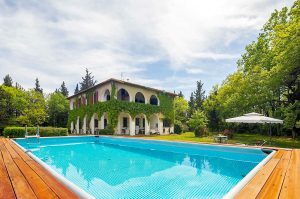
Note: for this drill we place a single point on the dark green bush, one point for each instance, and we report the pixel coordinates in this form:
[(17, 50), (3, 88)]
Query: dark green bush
[(177, 129), (17, 132), (108, 131)]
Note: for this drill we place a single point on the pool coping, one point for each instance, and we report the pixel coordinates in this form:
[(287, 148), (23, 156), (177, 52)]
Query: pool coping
[(79, 191)]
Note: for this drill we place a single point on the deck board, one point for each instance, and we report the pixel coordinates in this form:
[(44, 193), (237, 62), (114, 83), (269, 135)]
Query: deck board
[(61, 191), (278, 178), (22, 177), (6, 189)]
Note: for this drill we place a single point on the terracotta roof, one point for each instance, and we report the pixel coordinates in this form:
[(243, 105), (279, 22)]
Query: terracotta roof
[(121, 82)]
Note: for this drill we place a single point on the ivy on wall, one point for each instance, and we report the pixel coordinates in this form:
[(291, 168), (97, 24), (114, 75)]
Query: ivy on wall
[(114, 107)]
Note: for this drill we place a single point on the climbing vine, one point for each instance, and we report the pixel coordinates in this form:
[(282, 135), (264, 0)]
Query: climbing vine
[(114, 107)]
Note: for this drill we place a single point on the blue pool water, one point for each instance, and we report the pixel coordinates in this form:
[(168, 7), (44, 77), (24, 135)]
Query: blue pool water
[(108, 167)]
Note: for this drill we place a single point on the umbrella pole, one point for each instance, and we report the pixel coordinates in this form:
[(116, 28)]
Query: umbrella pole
[(270, 131)]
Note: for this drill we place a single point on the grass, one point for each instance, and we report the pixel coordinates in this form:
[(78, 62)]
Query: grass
[(249, 139)]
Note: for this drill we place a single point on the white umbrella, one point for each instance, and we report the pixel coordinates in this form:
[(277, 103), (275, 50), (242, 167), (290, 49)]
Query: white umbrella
[(255, 118)]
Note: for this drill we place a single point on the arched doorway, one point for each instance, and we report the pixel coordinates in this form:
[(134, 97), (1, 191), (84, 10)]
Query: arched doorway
[(140, 124)]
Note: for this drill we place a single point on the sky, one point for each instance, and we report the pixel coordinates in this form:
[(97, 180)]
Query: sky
[(165, 44)]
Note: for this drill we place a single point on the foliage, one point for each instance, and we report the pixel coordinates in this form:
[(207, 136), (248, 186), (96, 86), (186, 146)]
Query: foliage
[(37, 86), (76, 89), (199, 95), (114, 107), (5, 106), (63, 89), (198, 122), (18, 132), (7, 81), (108, 131), (87, 81), (34, 113), (180, 107), (57, 109), (267, 80)]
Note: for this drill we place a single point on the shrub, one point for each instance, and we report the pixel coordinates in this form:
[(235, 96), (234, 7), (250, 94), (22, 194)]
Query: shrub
[(198, 123), (107, 131), (177, 129), (17, 132)]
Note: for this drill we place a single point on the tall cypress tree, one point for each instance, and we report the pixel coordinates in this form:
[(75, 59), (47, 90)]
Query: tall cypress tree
[(180, 94), (64, 90), (7, 81), (191, 105), (87, 81), (199, 95), (76, 89), (37, 86)]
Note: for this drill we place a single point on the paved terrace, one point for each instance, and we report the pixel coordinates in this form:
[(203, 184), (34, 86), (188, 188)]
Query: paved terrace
[(22, 177)]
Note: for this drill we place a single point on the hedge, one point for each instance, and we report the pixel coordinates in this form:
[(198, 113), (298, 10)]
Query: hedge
[(108, 131), (17, 132)]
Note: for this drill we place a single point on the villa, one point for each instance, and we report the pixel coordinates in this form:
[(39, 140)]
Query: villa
[(124, 107)]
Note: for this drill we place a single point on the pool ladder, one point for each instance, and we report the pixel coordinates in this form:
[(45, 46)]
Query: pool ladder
[(37, 135)]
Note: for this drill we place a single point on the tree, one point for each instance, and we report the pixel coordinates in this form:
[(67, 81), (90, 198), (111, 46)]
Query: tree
[(199, 95), (57, 109), (34, 113), (76, 89), (180, 94), (181, 107), (198, 123), (7, 81), (64, 90), (191, 105), (87, 81), (5, 107), (37, 86)]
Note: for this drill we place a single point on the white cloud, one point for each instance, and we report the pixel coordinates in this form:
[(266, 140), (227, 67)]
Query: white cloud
[(53, 40)]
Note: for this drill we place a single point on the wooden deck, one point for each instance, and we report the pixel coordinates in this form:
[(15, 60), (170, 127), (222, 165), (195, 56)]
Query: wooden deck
[(279, 178), (22, 177)]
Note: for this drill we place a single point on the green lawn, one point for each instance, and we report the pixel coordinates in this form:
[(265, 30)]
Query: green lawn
[(249, 139)]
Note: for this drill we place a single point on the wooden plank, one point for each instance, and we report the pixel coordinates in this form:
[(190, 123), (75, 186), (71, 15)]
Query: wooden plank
[(39, 187), (252, 189), (291, 184), (58, 188), (6, 189), (273, 185), (21, 187), (278, 154)]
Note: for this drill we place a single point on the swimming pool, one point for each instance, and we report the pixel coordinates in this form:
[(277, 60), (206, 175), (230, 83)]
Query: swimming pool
[(114, 167)]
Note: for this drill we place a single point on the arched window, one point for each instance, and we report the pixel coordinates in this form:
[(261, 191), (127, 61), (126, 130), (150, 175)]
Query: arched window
[(123, 95), (153, 100), (139, 98), (107, 95)]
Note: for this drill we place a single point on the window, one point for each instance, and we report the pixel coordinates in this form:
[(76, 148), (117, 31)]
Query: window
[(107, 95), (74, 105), (96, 123), (125, 122), (166, 123), (123, 95), (137, 121), (153, 100), (105, 123), (139, 98)]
